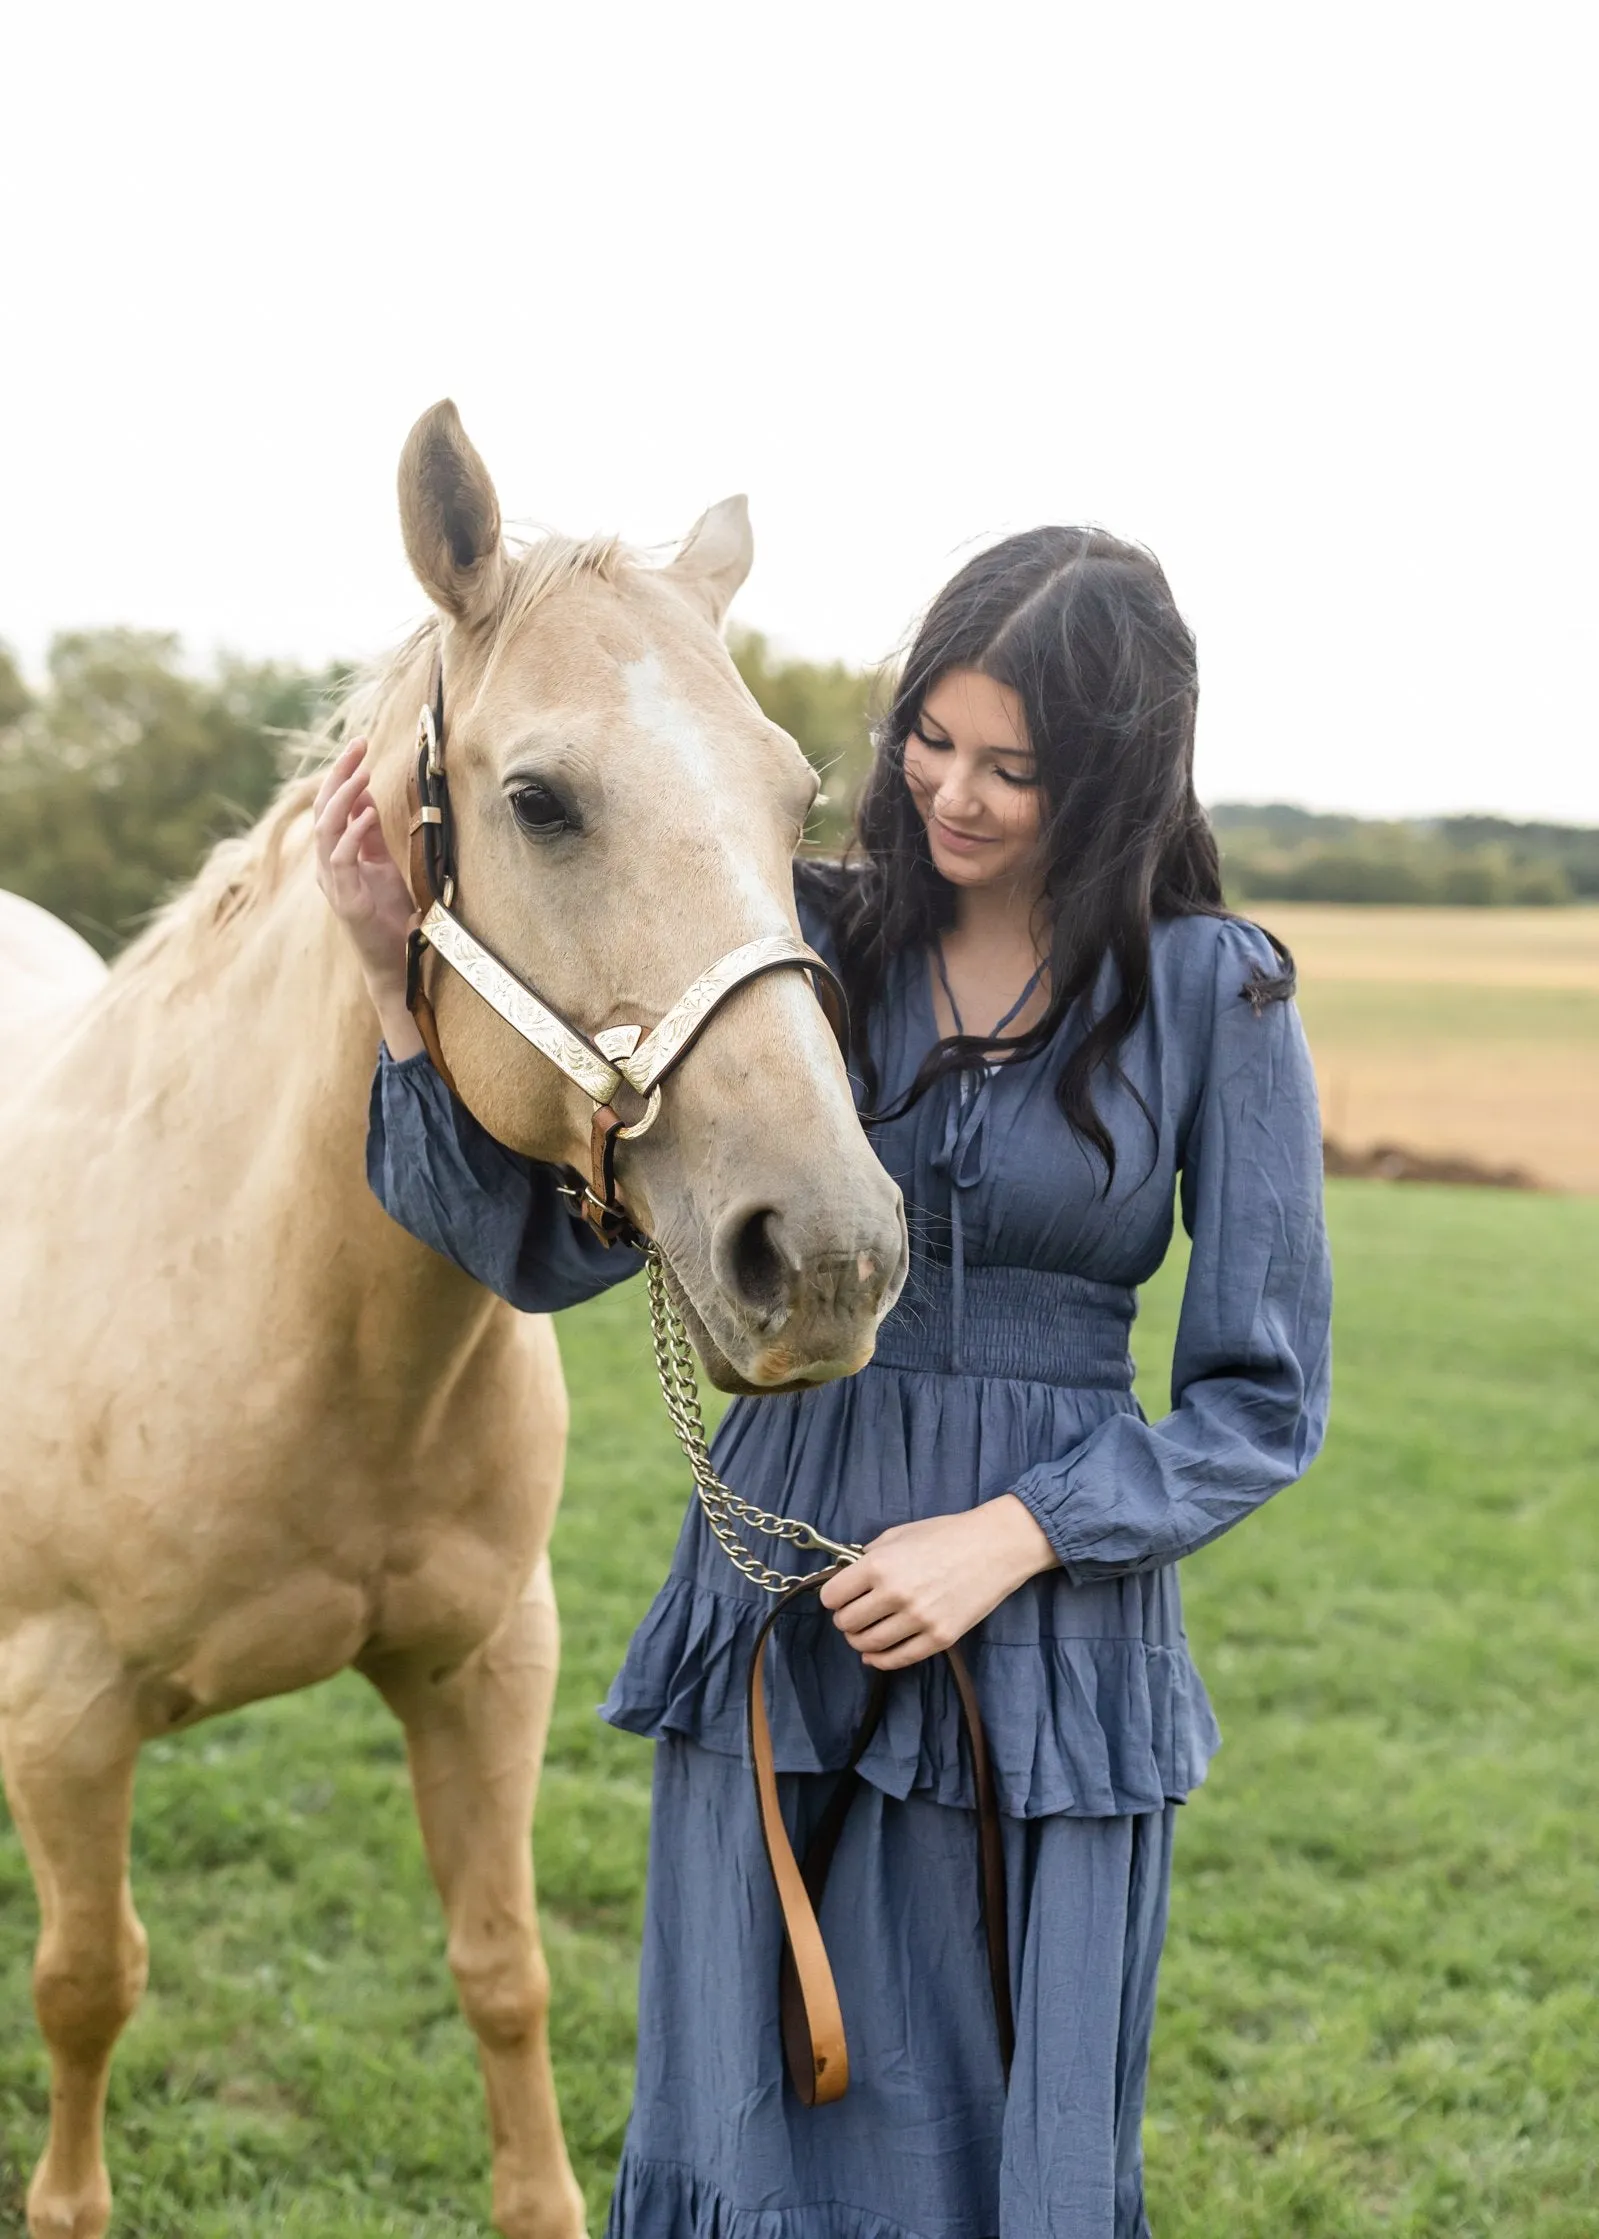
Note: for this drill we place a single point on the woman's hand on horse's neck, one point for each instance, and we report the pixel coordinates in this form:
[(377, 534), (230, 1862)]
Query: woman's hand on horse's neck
[(998, 940), (366, 891)]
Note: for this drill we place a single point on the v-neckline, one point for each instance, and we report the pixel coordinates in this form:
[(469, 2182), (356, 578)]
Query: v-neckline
[(936, 971)]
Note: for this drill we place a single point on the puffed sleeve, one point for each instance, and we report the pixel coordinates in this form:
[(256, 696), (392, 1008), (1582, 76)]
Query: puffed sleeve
[(1252, 1369), (497, 1215)]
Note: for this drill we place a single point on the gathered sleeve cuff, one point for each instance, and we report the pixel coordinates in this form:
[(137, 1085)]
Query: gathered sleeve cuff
[(1251, 1373), (500, 1217)]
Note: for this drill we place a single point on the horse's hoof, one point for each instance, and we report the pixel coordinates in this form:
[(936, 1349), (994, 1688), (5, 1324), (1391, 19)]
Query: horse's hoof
[(544, 2210), (55, 2214)]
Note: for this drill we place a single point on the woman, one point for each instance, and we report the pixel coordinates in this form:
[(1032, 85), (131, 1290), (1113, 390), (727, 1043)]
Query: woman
[(1056, 1026)]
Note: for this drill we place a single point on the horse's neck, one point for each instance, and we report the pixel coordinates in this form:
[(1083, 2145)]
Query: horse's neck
[(255, 1081)]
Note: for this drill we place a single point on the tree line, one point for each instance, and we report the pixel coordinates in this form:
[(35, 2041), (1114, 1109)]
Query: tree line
[(1279, 853), (125, 766), (123, 771)]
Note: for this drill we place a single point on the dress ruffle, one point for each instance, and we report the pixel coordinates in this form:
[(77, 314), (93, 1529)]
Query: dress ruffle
[(1090, 1701), (671, 2202), (1091, 1727)]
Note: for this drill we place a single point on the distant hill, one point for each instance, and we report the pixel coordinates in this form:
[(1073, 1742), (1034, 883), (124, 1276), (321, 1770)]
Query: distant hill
[(1275, 852)]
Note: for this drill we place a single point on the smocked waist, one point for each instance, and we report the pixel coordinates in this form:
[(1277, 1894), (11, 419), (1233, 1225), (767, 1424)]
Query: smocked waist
[(1029, 1323)]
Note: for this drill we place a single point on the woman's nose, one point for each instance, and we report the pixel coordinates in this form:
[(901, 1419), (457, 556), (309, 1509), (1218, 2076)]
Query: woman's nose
[(954, 799)]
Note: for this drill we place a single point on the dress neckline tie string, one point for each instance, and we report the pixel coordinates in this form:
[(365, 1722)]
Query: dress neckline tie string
[(963, 1154)]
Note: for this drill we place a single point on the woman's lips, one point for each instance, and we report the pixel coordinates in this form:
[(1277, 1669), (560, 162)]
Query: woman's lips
[(961, 843)]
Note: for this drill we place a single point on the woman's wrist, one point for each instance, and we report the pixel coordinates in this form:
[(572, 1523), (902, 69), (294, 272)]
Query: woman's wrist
[(1020, 1541), (398, 1027)]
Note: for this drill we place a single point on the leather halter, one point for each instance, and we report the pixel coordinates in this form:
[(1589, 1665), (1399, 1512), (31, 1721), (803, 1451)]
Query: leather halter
[(598, 1064)]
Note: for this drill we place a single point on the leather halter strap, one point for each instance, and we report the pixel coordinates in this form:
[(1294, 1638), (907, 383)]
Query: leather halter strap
[(811, 2019), (585, 1061), (598, 1065)]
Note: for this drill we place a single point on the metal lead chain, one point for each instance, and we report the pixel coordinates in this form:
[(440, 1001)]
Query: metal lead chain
[(724, 1511)]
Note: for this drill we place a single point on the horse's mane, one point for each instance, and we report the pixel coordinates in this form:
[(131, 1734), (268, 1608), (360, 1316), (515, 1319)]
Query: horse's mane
[(190, 937)]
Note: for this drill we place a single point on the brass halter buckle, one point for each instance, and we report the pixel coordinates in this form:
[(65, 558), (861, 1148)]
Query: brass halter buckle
[(427, 737), (618, 1043)]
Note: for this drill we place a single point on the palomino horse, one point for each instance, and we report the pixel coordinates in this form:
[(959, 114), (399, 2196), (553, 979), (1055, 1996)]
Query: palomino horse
[(255, 1433)]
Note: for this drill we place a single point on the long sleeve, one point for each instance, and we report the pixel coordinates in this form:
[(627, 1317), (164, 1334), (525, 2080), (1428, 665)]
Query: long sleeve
[(498, 1216), (1252, 1367)]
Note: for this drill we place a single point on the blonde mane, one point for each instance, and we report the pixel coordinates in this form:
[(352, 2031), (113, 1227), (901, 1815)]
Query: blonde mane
[(189, 939)]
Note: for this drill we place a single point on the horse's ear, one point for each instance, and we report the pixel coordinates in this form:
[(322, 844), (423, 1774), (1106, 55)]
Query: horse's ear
[(450, 517), (717, 555)]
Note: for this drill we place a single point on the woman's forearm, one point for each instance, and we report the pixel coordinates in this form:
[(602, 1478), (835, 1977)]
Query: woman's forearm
[(394, 1018)]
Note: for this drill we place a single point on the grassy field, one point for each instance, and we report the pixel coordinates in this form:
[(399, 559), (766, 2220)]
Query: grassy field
[(1474, 1032), (1380, 2010)]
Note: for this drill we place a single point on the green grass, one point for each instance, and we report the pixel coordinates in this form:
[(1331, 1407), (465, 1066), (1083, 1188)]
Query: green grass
[(1384, 1012), (1380, 2011)]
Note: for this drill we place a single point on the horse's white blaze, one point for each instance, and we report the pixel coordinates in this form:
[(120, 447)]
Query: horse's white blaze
[(678, 733)]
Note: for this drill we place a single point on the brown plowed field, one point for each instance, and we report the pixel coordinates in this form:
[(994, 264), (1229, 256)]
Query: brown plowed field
[(1470, 1033)]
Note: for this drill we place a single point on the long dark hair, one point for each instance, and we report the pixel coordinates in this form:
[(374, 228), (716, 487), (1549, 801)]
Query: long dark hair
[(1084, 630)]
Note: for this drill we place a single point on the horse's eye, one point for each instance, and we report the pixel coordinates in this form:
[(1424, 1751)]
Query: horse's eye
[(539, 809)]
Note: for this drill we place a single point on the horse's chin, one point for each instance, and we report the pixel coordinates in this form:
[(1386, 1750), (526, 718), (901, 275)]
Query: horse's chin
[(768, 1369)]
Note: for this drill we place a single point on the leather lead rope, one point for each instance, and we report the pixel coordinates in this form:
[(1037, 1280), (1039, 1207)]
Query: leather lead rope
[(812, 2021)]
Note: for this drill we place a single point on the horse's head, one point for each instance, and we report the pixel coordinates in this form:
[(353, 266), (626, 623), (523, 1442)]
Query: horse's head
[(624, 816)]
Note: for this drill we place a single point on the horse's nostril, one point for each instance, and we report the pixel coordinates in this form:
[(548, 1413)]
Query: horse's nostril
[(818, 1295), (754, 1266)]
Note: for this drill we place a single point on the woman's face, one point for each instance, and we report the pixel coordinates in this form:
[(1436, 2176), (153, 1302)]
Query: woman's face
[(972, 776)]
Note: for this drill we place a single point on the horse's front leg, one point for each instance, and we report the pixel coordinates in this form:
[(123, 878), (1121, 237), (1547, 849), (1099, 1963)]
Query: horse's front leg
[(476, 1741), (68, 1747)]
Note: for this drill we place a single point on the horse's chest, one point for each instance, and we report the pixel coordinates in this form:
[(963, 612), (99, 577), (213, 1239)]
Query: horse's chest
[(444, 1588), (435, 1592)]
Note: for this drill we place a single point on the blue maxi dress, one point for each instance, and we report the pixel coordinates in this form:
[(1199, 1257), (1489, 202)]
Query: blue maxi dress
[(1004, 1367)]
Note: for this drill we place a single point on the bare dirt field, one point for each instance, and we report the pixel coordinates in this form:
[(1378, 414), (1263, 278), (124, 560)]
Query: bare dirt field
[(1467, 1033)]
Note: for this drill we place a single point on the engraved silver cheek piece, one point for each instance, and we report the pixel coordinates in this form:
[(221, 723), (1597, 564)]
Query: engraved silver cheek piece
[(620, 1053)]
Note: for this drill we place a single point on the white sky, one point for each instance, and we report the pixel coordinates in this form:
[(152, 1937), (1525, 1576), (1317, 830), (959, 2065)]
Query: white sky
[(1299, 295)]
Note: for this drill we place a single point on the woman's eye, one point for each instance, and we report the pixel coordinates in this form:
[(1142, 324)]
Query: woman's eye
[(1026, 779), (923, 738), (539, 809)]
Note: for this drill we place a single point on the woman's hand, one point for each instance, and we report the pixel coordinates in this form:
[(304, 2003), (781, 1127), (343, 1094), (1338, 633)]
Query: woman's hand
[(366, 890), (355, 870), (919, 1587)]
